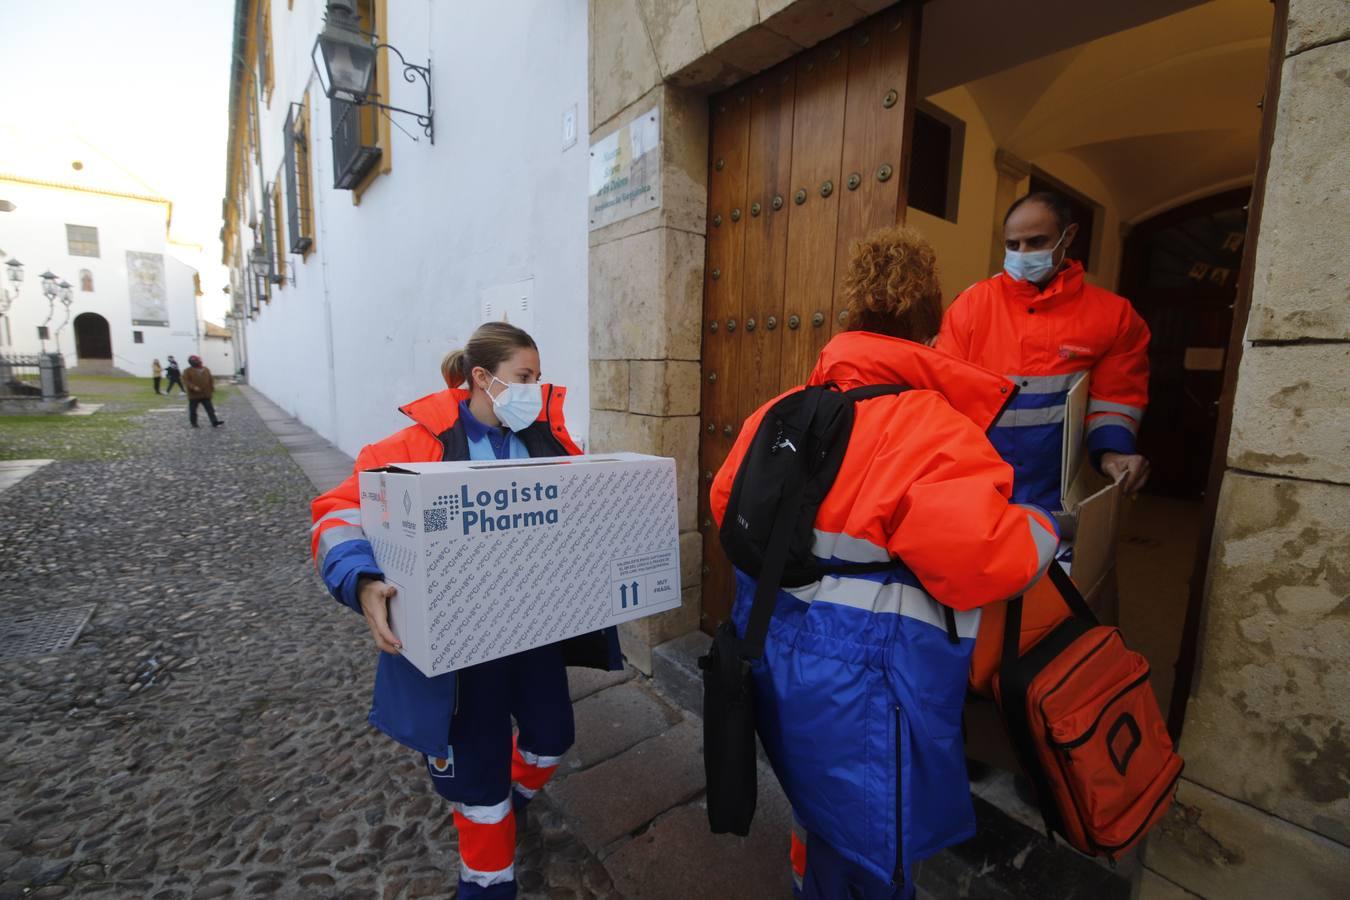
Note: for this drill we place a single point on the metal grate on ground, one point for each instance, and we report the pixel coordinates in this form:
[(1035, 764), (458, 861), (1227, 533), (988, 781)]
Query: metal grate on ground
[(40, 633)]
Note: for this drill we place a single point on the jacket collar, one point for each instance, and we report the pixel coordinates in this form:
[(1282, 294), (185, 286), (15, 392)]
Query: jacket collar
[(1065, 286), (439, 412), (856, 358), (436, 412)]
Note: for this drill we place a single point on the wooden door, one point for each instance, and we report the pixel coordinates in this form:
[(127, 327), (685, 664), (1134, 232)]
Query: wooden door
[(803, 159), (1180, 270)]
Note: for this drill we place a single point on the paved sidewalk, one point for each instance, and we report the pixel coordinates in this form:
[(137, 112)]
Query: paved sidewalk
[(205, 736), (323, 464), (12, 471)]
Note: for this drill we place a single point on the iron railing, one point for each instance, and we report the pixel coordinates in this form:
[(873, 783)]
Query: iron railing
[(20, 375), (32, 375)]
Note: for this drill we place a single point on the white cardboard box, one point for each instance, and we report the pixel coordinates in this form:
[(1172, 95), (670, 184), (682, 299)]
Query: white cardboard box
[(491, 558)]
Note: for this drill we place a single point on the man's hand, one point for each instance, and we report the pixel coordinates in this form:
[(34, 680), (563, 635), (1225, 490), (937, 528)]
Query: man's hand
[(375, 596), (1129, 470)]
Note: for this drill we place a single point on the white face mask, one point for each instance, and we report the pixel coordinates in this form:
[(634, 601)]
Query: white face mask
[(1035, 266), (518, 405)]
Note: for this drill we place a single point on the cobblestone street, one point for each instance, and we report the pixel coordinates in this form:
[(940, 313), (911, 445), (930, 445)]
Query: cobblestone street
[(206, 735)]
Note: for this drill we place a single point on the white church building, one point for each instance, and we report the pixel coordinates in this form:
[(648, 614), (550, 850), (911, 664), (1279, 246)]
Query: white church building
[(124, 294)]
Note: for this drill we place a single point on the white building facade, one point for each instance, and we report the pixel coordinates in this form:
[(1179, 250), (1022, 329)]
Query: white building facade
[(349, 298), (217, 350), (132, 299)]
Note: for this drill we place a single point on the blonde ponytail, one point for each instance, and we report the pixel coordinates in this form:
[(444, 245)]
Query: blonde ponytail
[(454, 368)]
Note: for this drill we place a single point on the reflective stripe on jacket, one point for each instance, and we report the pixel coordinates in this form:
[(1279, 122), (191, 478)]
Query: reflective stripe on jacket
[(860, 690), (1042, 340), (409, 707)]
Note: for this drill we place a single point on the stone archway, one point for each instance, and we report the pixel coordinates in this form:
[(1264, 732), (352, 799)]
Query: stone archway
[(93, 339)]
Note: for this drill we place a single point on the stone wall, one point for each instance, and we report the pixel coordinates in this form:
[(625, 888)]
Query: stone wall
[(646, 272), (1265, 806)]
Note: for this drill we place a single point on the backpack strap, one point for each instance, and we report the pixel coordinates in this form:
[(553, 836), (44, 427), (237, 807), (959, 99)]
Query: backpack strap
[(775, 561), (1069, 591), (1014, 684), (1013, 702), (770, 578), (857, 395), (869, 391), (776, 552)]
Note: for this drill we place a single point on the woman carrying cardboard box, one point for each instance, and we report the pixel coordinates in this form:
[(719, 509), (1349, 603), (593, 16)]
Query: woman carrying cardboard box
[(494, 407)]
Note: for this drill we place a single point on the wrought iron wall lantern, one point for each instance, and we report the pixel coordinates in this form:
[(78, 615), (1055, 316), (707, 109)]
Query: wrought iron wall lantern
[(344, 59), (263, 268), (51, 289), (8, 295), (66, 294)]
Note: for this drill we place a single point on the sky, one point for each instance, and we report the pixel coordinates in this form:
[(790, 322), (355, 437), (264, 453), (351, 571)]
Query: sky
[(145, 81)]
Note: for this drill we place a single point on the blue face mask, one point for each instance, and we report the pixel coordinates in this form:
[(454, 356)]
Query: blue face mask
[(1035, 266), (518, 405)]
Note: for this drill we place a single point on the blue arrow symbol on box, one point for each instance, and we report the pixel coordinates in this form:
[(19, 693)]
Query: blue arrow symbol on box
[(635, 584), (623, 594)]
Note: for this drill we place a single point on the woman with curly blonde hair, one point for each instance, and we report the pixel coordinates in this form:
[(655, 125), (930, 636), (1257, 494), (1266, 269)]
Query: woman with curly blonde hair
[(892, 285), (859, 691)]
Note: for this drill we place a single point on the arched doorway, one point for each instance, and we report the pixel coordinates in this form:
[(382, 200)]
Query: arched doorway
[(93, 340), (1180, 269)]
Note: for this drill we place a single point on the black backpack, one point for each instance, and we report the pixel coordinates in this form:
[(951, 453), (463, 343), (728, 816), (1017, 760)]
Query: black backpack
[(768, 533)]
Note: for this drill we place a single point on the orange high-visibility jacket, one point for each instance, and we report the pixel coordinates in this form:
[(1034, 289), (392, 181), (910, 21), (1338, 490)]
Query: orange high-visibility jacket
[(920, 481), (1042, 340), (860, 689)]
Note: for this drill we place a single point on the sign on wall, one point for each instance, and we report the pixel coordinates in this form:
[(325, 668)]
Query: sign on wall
[(626, 171), (145, 285)]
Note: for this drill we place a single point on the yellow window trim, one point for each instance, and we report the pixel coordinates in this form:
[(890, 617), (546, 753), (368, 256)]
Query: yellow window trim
[(279, 232), (304, 182), (269, 71), (382, 127)]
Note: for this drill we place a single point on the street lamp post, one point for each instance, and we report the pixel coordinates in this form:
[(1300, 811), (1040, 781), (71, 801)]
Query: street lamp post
[(50, 290), (14, 271), (67, 297)]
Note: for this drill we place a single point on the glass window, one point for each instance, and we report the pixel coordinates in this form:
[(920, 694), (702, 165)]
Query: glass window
[(936, 146), (82, 240)]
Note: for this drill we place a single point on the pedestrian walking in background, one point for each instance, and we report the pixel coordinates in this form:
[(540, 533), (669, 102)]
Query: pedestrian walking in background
[(175, 376), (200, 386), (494, 407), (156, 372)]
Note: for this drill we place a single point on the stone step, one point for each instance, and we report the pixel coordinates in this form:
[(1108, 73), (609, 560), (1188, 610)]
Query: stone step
[(98, 367), (675, 670), (1008, 858)]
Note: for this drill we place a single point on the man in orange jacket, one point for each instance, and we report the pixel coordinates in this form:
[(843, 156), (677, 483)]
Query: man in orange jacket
[(1041, 324)]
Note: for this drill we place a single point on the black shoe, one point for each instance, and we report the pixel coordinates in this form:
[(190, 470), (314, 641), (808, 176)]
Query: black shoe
[(218, 424), (193, 424)]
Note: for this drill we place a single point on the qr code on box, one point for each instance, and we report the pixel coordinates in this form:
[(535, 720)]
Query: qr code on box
[(434, 520)]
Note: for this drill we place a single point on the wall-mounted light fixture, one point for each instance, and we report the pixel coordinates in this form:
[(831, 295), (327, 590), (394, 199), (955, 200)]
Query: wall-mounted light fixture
[(14, 271), (8, 294), (66, 294), (348, 64), (51, 290)]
